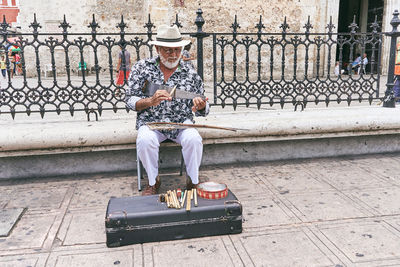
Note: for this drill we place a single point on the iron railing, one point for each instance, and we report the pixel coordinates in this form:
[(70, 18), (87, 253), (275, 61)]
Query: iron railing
[(259, 68), (288, 79)]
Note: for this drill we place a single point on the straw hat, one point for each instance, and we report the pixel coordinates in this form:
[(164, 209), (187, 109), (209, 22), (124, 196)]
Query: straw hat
[(169, 37)]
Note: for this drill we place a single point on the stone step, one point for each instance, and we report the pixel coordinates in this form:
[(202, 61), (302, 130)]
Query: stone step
[(54, 147)]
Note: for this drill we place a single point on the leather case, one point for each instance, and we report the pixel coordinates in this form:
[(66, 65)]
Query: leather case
[(140, 219)]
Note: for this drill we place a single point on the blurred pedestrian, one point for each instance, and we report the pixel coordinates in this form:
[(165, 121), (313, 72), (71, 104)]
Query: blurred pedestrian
[(396, 87), (187, 57), (11, 58), (18, 65), (124, 66), (360, 64), (338, 70), (356, 61), (3, 66)]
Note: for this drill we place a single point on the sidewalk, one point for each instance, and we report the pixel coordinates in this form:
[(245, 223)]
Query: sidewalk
[(318, 212)]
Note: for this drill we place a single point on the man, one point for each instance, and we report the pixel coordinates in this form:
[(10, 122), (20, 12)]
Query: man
[(363, 62), (356, 62), (124, 66), (166, 69)]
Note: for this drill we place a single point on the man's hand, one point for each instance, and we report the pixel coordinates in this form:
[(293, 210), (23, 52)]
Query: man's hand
[(159, 96), (199, 104)]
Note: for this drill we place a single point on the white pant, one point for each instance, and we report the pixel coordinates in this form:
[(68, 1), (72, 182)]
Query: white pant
[(148, 143)]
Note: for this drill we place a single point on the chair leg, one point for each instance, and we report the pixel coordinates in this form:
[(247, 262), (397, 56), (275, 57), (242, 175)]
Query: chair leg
[(182, 165), (139, 172)]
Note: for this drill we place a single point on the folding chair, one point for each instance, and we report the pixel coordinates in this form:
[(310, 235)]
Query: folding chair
[(140, 168)]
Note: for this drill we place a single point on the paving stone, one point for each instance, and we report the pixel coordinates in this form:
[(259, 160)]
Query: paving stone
[(83, 227), (241, 182), (98, 192), (98, 259), (387, 168), (22, 262), (195, 252), (44, 197), (345, 178), (327, 163), (384, 201), (364, 241), (8, 218), (323, 206), (264, 170), (289, 180), (30, 232), (265, 212), (4, 196), (291, 248)]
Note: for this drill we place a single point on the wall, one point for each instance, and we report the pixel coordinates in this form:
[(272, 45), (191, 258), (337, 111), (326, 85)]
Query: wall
[(9, 9), (218, 18)]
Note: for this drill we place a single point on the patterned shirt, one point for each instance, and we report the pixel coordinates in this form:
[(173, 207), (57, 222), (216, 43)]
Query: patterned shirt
[(177, 110)]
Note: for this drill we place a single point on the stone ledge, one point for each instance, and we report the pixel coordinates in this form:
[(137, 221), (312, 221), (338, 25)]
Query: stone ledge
[(52, 148), (272, 125)]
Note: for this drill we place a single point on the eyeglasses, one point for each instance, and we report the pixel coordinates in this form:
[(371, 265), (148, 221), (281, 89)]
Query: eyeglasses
[(174, 50)]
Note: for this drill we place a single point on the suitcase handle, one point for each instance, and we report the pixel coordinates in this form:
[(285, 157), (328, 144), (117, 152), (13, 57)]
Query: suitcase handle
[(232, 202)]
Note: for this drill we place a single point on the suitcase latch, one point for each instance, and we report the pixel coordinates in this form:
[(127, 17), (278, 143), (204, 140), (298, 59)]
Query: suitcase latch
[(120, 221)]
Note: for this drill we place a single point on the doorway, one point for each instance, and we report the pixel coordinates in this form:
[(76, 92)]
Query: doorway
[(363, 13)]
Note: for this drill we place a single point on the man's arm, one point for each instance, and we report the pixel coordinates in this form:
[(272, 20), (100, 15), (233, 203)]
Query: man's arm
[(136, 81), (135, 98), (119, 64), (200, 106), (155, 100)]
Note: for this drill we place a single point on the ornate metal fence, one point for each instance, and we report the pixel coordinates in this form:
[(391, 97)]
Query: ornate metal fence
[(259, 68), (295, 68)]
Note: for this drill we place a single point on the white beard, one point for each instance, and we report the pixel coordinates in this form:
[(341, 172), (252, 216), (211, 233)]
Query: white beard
[(168, 64)]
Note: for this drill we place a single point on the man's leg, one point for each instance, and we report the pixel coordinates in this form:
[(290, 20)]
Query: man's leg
[(147, 145), (192, 151)]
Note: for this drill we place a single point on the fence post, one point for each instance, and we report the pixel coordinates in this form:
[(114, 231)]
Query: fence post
[(200, 35), (389, 100)]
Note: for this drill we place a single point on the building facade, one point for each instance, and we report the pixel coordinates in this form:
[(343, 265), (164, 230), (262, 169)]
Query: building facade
[(218, 15)]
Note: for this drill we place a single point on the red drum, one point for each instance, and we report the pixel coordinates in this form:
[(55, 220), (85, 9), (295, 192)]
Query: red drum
[(212, 190)]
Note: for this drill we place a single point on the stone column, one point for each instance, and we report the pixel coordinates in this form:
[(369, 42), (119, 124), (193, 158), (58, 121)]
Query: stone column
[(364, 16), (331, 9)]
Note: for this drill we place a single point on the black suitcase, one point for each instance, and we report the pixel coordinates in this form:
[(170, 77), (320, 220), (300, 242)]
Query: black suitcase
[(140, 219)]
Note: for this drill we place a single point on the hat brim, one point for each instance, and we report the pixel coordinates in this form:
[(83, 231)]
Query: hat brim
[(170, 44)]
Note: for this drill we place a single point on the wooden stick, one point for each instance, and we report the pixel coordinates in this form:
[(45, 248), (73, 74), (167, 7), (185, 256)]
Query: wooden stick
[(171, 200), (188, 202), (183, 199), (188, 125), (167, 200), (177, 206), (195, 197), (171, 195)]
